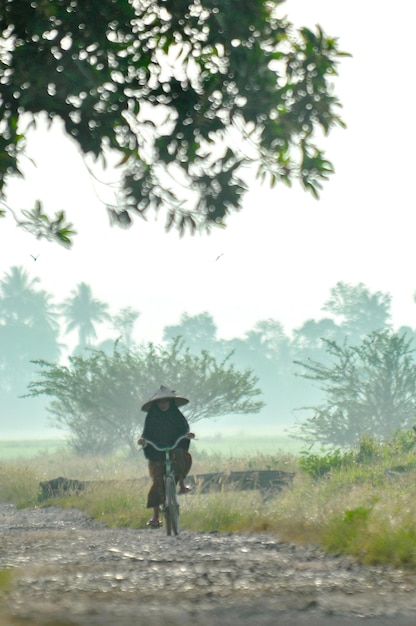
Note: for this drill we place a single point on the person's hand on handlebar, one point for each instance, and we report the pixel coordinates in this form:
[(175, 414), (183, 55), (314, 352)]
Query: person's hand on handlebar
[(191, 435)]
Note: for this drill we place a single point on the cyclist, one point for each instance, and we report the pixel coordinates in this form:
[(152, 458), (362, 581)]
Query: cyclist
[(163, 425)]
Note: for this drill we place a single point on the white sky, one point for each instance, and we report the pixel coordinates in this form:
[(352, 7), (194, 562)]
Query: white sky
[(284, 251)]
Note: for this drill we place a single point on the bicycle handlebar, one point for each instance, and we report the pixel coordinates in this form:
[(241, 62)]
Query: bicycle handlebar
[(167, 448)]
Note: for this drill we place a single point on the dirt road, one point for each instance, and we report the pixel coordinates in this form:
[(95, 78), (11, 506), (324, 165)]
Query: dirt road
[(72, 571)]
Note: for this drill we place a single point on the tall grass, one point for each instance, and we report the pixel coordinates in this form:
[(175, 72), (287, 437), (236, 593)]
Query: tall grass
[(361, 505)]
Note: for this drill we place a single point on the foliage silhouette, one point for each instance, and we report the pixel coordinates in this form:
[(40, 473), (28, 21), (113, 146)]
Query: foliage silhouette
[(183, 92), (97, 398), (360, 312), (82, 312), (28, 330), (370, 389)]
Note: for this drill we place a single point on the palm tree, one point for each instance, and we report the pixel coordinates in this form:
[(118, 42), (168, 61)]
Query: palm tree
[(17, 291), (28, 330), (82, 312), (22, 304)]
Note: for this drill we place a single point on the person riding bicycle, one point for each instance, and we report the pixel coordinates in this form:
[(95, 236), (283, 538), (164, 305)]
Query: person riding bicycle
[(164, 424)]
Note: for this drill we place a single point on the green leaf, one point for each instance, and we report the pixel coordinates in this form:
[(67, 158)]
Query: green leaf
[(255, 85)]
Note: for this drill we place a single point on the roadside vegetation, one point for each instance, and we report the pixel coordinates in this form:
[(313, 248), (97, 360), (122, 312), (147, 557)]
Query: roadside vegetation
[(357, 501)]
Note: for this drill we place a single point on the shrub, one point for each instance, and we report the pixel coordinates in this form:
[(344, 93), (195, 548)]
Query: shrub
[(342, 532), (318, 465)]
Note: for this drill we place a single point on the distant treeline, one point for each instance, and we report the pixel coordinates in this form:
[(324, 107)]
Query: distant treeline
[(33, 327)]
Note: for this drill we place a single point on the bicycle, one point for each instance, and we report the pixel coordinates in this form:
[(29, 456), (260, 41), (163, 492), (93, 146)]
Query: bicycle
[(171, 504)]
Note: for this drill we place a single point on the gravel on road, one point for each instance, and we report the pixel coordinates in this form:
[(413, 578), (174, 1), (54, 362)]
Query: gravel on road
[(72, 571)]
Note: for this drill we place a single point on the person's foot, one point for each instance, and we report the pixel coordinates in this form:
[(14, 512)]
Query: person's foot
[(154, 523)]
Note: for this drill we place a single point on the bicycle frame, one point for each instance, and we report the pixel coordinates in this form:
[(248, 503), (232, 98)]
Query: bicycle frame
[(171, 505)]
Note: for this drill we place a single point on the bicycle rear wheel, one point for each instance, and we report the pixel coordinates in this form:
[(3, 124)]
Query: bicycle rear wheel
[(171, 507)]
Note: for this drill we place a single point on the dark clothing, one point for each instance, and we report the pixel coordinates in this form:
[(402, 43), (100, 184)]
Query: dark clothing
[(181, 461), (164, 428)]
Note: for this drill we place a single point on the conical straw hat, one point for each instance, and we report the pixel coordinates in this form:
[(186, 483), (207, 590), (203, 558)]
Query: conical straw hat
[(163, 393)]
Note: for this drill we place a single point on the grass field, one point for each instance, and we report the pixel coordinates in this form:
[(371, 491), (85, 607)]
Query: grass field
[(248, 444), (230, 445), (27, 448), (358, 502)]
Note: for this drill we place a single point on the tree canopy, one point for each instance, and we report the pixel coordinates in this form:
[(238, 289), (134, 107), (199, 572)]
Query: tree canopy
[(370, 389), (29, 329), (96, 398), (186, 93), (82, 311), (34, 327), (359, 310)]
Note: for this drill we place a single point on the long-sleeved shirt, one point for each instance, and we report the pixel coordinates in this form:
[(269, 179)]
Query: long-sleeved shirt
[(164, 428)]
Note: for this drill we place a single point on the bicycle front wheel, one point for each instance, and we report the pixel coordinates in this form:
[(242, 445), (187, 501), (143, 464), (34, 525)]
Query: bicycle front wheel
[(171, 507)]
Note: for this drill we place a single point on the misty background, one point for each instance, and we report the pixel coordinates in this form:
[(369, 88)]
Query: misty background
[(35, 324)]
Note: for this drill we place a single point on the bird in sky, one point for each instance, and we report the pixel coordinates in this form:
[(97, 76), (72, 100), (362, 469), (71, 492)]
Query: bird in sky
[(35, 258), (219, 256)]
